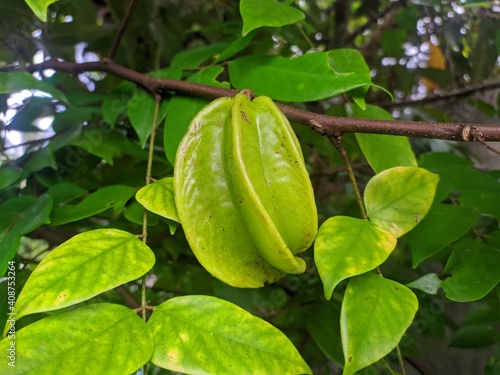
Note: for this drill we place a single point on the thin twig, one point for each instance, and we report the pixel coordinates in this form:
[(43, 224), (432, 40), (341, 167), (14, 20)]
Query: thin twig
[(121, 31), (466, 91), (392, 7), (323, 124), (35, 141), (337, 142)]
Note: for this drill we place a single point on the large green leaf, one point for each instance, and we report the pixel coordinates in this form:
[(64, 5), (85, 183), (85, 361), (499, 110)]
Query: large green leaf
[(382, 151), (95, 339), (106, 197), (18, 81), (182, 109), (471, 271), (347, 246), (158, 198), (19, 216), (84, 266), (375, 314), (443, 225), (259, 13), (398, 198), (305, 78), (207, 335), (346, 60)]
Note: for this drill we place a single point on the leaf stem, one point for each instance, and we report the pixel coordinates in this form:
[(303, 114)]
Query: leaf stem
[(337, 143), (400, 359)]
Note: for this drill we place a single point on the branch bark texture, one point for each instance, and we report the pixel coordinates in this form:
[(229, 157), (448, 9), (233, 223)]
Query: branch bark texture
[(323, 124)]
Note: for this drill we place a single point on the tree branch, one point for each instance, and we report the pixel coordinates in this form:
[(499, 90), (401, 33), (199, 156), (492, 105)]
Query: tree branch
[(121, 31), (467, 91), (323, 124)]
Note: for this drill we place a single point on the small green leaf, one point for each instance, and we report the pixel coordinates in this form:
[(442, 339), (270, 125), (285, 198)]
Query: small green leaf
[(305, 78), (398, 198), (475, 336), (473, 266), (9, 175), (193, 58), (259, 13), (382, 151), (322, 321), (141, 109), (95, 339), (84, 266), (115, 103), (443, 225), (19, 216), (207, 335), (375, 314), (106, 197), (65, 192), (429, 283), (39, 7), (158, 198), (182, 109), (18, 81), (237, 46), (347, 246)]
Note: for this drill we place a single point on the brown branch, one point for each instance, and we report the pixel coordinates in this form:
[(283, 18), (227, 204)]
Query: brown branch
[(443, 97), (323, 124), (121, 31)]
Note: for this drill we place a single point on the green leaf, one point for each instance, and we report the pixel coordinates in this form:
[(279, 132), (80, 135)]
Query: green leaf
[(382, 151), (65, 192), (18, 81), (398, 198), (19, 216), (82, 267), (429, 283), (115, 103), (259, 13), (95, 339), (322, 321), (475, 336), (375, 314), (182, 109), (158, 198), (346, 247), (9, 175), (443, 225), (473, 267), (106, 197), (207, 335), (191, 59), (237, 46), (485, 202), (305, 78), (141, 109), (39, 7)]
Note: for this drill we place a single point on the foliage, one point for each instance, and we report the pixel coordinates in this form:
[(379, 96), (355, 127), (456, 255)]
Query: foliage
[(73, 197)]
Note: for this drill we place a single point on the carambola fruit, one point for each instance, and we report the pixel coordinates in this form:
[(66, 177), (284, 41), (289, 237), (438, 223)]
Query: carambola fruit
[(242, 192)]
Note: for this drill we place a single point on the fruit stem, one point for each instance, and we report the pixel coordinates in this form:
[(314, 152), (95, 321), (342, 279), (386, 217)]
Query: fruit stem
[(337, 143)]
